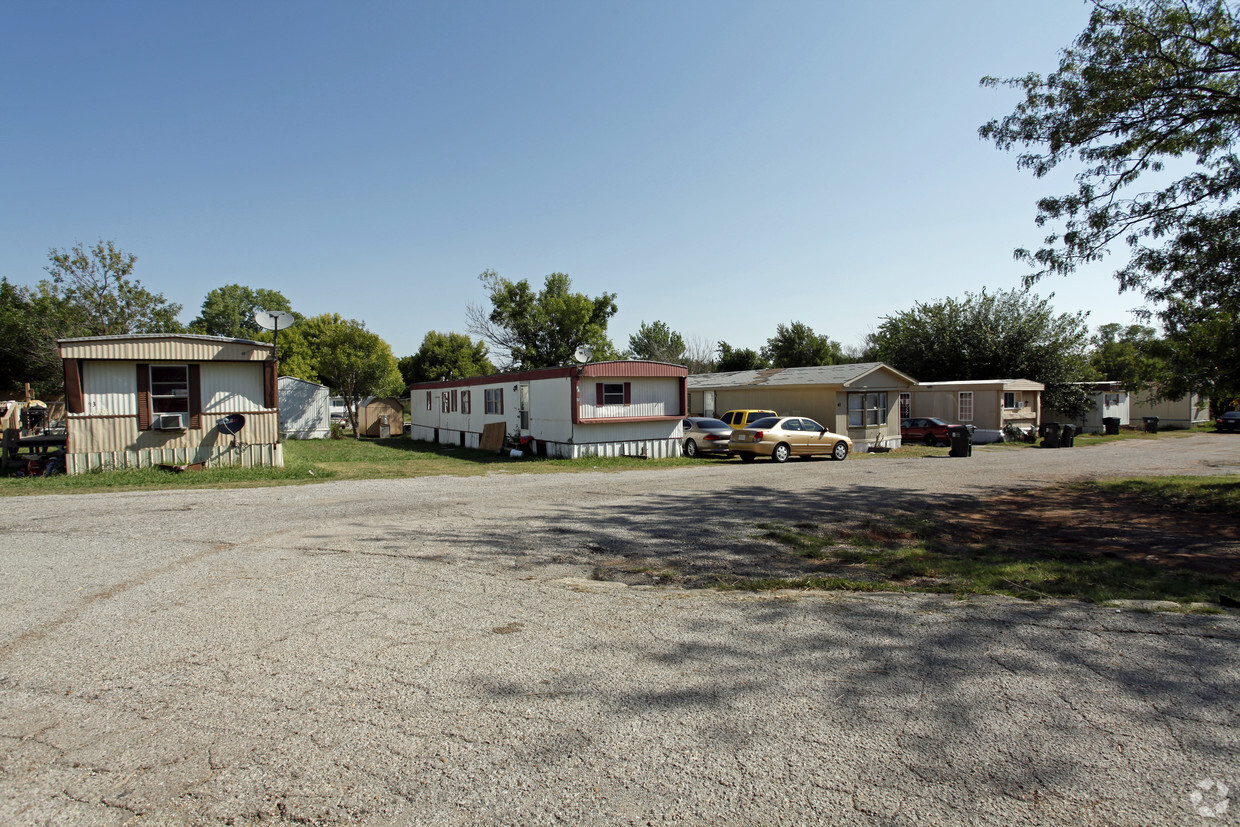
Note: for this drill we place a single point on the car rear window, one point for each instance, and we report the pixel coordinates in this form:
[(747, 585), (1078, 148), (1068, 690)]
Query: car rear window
[(760, 415), (768, 422), (712, 423)]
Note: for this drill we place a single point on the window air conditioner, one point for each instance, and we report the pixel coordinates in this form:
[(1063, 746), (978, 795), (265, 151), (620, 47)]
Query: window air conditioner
[(170, 422)]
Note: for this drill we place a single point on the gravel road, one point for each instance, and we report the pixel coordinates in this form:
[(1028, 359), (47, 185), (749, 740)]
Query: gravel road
[(432, 651)]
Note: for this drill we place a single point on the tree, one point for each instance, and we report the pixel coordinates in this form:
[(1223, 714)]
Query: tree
[(1147, 82), (229, 311), (798, 346), (537, 330), (30, 324), (355, 363), (700, 354), (446, 356), (657, 343), (1133, 356), (1007, 335), (731, 359), (96, 284)]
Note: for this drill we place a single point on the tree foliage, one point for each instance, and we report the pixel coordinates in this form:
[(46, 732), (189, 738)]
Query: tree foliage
[(1146, 83), (96, 286), (1134, 356), (796, 345), (30, 323), (446, 356), (544, 329), (657, 342), (229, 311), (1007, 335), (353, 362), (731, 359)]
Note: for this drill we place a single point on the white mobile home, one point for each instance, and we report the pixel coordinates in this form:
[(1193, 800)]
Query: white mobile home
[(1110, 402), (159, 398), (305, 410), (598, 409)]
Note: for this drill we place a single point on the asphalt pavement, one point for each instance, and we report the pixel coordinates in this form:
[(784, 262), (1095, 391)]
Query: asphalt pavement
[(433, 651)]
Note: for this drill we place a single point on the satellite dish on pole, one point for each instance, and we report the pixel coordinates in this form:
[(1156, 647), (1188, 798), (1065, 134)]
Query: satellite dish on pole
[(273, 320), (583, 353)]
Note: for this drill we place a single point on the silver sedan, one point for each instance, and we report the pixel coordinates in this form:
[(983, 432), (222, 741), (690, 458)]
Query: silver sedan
[(704, 435)]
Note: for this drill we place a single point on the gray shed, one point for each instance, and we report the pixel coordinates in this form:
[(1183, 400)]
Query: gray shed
[(305, 409)]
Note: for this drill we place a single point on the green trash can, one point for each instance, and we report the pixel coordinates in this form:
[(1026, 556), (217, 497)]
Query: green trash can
[(1151, 424), (1050, 434), (1067, 438), (1110, 425), (962, 441)]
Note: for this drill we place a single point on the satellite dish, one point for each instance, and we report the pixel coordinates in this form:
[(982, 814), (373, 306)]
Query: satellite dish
[(583, 353), (272, 319), (231, 424)]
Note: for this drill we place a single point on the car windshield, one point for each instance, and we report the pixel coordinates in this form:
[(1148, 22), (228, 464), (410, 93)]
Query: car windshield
[(1232, 415), (712, 423), (933, 421), (768, 422)]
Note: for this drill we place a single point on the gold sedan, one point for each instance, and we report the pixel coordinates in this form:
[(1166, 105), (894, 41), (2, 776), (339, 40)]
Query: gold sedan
[(780, 437)]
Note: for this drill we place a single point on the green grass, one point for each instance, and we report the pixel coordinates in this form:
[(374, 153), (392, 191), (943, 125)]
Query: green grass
[(319, 460), (904, 554)]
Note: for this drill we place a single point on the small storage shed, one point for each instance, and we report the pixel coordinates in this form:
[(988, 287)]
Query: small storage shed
[(305, 409), (156, 399), (370, 417), (620, 408)]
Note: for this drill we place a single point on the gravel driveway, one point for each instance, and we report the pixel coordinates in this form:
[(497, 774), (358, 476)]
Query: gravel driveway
[(432, 651)]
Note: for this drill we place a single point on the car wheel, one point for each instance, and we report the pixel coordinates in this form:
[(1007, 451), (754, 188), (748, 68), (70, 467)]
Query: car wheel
[(690, 448), (781, 452), (746, 457), (930, 440), (840, 451)]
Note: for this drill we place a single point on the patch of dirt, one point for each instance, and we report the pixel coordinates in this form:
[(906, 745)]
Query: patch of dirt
[(1120, 526)]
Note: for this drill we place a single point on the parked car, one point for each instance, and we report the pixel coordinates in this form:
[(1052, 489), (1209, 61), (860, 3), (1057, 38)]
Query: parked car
[(927, 430), (706, 435), (743, 419), (1230, 421), (780, 437)]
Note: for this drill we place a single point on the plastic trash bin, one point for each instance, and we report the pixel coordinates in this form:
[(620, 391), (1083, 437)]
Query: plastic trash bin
[(1050, 434), (1067, 438), (961, 440), (1151, 424), (1110, 425)]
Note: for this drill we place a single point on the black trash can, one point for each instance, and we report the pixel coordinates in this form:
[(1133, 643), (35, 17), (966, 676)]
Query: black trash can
[(1067, 438), (1151, 424), (962, 441), (1110, 425), (1050, 434)]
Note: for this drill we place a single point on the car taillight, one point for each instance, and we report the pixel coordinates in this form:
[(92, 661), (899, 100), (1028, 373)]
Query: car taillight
[(757, 436), (714, 437)]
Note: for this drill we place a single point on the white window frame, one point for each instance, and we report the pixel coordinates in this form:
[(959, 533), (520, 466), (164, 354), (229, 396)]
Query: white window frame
[(494, 401), (964, 406), (613, 393), (867, 410), (906, 405)]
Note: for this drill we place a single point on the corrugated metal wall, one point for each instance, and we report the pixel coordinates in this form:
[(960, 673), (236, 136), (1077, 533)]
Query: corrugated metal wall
[(166, 349), (648, 397), (116, 442), (231, 387), (305, 409), (110, 388)]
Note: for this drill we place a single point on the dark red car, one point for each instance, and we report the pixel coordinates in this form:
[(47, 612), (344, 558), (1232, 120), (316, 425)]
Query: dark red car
[(927, 430)]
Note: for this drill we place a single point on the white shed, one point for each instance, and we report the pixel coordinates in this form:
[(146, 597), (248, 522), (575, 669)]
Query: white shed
[(305, 409)]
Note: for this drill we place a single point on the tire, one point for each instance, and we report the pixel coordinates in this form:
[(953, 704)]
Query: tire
[(690, 448), (930, 439), (745, 456), (840, 451), (781, 452)]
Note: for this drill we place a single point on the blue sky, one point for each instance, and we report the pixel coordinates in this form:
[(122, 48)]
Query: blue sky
[(721, 166)]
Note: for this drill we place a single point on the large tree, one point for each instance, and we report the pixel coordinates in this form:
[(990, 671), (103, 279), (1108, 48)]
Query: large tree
[(229, 311), (1006, 335), (1134, 356), (1149, 88), (446, 356), (658, 343), (537, 330), (796, 345), (738, 358), (355, 363), (30, 323), (97, 284)]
